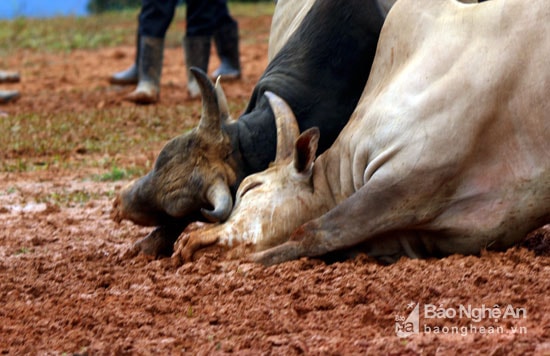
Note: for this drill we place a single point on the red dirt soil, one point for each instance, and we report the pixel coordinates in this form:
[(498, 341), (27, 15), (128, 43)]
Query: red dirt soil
[(66, 287)]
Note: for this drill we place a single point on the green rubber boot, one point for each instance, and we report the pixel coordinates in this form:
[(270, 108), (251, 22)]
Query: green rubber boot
[(8, 95), (129, 76), (197, 54), (9, 77), (150, 70), (227, 46)]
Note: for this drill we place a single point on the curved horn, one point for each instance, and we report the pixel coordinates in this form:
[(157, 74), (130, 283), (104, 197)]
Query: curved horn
[(220, 198), (287, 127), (222, 101), (210, 118)]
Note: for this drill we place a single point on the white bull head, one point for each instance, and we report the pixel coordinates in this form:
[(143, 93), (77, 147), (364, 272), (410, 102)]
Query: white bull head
[(271, 204)]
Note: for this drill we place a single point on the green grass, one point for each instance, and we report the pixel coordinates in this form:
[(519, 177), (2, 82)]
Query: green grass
[(251, 9), (65, 33), (93, 138), (116, 174), (38, 142), (104, 30), (23, 251), (68, 198)]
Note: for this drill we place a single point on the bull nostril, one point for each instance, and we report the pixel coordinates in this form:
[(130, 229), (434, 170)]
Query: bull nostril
[(116, 216), (116, 211)]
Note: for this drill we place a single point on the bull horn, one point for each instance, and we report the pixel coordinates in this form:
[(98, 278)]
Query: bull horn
[(220, 198), (210, 117), (222, 101), (287, 127)]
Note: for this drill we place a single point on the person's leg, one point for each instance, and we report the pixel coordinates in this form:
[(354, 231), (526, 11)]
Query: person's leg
[(154, 19), (128, 76), (9, 76), (226, 39), (196, 42), (8, 95), (211, 18)]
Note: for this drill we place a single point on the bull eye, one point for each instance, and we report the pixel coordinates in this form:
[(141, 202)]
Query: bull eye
[(249, 187)]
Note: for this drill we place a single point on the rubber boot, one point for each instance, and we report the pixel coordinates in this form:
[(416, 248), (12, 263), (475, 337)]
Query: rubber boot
[(197, 54), (8, 95), (150, 70), (9, 77), (130, 75), (227, 46)]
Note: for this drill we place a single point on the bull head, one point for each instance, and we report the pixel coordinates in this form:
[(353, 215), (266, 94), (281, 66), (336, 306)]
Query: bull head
[(269, 204), (192, 172)]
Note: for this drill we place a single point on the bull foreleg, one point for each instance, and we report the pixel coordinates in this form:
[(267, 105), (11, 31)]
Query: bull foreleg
[(305, 241), (367, 213), (195, 236)]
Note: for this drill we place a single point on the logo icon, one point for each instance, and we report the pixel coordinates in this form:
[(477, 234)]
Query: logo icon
[(405, 327)]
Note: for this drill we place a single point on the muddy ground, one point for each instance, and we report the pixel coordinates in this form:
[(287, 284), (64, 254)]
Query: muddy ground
[(66, 289)]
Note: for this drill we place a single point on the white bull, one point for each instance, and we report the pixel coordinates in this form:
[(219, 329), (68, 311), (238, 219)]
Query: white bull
[(448, 150)]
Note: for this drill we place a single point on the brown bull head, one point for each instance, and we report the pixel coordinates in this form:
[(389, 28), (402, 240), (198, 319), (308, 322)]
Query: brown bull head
[(269, 205), (192, 172)]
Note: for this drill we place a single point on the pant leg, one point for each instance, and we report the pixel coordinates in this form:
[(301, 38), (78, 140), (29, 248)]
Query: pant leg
[(204, 17), (155, 17)]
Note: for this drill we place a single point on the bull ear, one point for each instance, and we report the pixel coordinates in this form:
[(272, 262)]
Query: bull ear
[(210, 118), (220, 198), (222, 101), (304, 150), (287, 127)]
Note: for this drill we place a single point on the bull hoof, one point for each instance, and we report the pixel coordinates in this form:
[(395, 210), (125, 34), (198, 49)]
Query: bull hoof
[(266, 258), (288, 251), (159, 243), (131, 252), (178, 256), (193, 239), (156, 244)]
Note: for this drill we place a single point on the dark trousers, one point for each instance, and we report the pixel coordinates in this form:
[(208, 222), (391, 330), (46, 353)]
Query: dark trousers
[(204, 17)]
